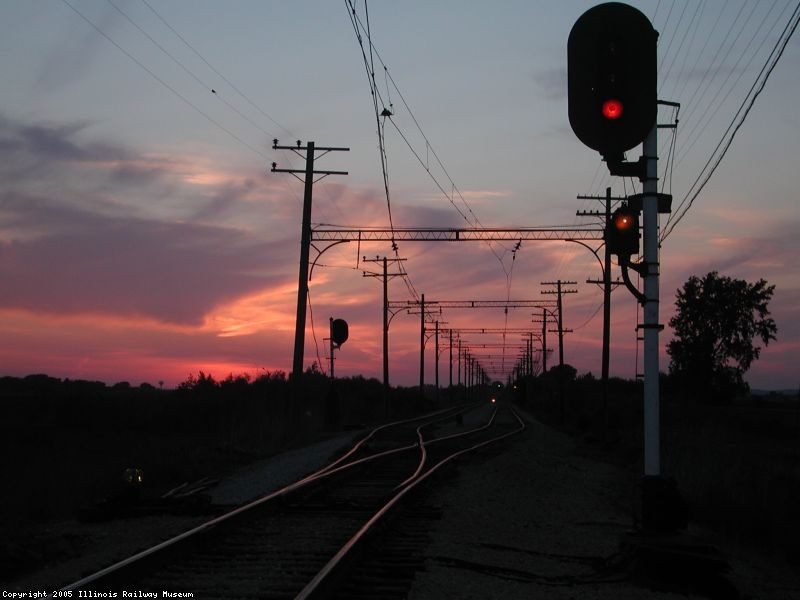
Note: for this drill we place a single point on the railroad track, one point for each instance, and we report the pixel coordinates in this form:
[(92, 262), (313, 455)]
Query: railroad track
[(329, 532)]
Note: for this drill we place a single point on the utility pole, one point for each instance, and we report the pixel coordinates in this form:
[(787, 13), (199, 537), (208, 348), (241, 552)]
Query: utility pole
[(421, 303), (450, 346), (436, 362), (332, 347), (422, 346), (544, 340), (561, 330), (386, 276), (459, 361), (305, 237), (607, 287), (560, 291)]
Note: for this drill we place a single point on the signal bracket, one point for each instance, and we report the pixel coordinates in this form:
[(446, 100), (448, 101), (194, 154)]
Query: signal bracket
[(624, 264), (617, 167), (635, 202)]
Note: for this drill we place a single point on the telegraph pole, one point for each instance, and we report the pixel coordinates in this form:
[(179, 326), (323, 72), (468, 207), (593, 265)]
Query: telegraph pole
[(561, 331), (459, 361), (607, 287), (305, 237), (422, 346), (450, 345), (386, 276), (544, 340), (332, 347), (560, 291), (436, 362)]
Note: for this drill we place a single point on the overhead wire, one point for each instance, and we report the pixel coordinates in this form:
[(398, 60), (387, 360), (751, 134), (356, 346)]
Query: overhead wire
[(724, 144), (163, 83), (213, 89), (383, 113), (214, 69), (702, 123)]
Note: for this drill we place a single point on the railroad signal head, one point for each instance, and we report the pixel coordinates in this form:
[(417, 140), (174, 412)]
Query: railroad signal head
[(611, 56), (339, 331), (622, 233)]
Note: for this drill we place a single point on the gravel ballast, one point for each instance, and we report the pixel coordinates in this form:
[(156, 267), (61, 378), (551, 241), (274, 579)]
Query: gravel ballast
[(536, 520)]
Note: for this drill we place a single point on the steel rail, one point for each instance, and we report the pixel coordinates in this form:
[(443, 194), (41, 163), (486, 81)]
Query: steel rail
[(325, 472), (334, 563), (423, 453), (372, 433)]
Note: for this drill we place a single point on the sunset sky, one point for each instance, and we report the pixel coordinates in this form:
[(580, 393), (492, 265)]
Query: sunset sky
[(143, 237)]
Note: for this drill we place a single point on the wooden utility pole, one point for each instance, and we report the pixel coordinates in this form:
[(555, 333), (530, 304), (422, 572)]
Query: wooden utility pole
[(450, 346), (561, 331), (386, 276), (560, 291), (436, 362), (333, 346), (544, 340), (305, 237), (608, 285), (422, 346)]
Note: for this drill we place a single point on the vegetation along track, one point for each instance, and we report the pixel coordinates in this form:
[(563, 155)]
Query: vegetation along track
[(307, 539)]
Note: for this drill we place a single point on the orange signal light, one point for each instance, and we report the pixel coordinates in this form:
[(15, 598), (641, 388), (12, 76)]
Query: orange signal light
[(612, 109), (623, 222)]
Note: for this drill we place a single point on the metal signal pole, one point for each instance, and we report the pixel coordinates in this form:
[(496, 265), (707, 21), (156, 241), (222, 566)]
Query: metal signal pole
[(305, 238), (651, 326)]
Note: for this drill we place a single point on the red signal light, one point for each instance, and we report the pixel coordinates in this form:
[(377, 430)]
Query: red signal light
[(612, 109), (623, 222)]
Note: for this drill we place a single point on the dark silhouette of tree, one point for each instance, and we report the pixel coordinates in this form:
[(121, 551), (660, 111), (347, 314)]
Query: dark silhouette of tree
[(716, 322)]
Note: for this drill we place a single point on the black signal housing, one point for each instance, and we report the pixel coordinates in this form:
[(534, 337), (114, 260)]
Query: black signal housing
[(612, 64)]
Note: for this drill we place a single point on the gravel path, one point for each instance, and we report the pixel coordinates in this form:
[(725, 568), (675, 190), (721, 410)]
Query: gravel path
[(273, 473), (529, 522)]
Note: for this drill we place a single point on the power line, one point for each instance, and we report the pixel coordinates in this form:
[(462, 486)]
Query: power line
[(210, 66), (766, 71), (162, 82)]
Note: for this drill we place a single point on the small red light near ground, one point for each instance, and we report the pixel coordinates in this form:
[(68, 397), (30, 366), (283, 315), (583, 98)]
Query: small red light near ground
[(493, 400), (612, 109)]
